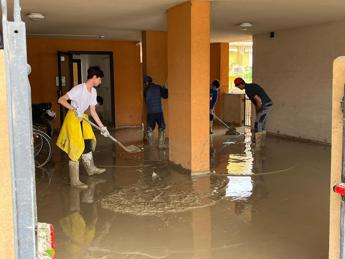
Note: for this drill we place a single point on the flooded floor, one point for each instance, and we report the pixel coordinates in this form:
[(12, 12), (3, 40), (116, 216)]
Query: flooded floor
[(272, 204)]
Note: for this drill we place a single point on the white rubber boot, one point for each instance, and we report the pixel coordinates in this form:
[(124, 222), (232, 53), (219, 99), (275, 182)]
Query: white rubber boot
[(74, 175), (161, 140), (89, 164), (149, 138)]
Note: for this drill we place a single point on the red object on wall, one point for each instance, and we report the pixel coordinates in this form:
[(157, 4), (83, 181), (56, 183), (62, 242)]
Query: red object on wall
[(52, 240), (339, 188)]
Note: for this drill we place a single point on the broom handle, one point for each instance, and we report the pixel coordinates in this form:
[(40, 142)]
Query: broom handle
[(110, 136), (221, 121)]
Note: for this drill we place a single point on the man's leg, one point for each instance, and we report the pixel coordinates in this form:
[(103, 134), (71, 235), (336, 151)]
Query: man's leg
[(161, 136), (74, 172), (211, 123), (267, 110), (261, 119), (74, 175), (87, 159), (150, 127)]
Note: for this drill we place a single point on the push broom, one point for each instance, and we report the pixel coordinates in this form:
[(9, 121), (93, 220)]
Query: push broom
[(129, 149)]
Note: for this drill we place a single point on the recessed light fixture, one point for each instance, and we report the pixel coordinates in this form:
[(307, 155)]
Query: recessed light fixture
[(245, 25), (35, 16)]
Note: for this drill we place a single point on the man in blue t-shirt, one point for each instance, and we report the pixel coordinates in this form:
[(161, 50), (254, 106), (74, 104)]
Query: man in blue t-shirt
[(263, 105), (214, 92), (153, 94)]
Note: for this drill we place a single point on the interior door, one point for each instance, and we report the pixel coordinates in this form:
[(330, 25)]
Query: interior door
[(65, 77)]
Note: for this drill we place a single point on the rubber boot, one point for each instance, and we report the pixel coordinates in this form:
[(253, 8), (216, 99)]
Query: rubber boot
[(89, 164), (161, 140), (258, 141), (74, 175), (149, 137)]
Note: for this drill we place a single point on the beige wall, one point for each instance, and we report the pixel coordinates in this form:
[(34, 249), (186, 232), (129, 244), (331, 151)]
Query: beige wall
[(42, 56), (295, 68)]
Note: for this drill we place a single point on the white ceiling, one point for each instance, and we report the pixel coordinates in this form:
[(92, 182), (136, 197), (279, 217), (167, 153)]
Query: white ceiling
[(125, 19)]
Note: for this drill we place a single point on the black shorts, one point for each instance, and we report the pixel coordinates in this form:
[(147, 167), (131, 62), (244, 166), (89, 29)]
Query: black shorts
[(87, 142), (153, 118)]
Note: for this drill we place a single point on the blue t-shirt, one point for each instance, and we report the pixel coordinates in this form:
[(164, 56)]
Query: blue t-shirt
[(213, 98), (153, 94)]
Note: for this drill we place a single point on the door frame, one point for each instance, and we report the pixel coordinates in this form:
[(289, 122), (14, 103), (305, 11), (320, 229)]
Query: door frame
[(78, 61), (112, 81), (59, 90)]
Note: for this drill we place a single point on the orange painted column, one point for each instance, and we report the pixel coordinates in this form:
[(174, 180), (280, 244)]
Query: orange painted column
[(155, 63), (219, 69), (189, 77)]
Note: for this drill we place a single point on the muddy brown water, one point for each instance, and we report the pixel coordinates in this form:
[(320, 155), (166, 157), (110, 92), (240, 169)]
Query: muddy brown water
[(269, 204)]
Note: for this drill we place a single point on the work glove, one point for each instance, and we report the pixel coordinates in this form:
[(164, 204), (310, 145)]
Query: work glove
[(105, 132), (78, 113)]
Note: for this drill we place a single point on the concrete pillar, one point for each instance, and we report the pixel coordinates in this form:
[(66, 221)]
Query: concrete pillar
[(336, 159), (7, 242), (155, 62), (219, 69), (189, 77)]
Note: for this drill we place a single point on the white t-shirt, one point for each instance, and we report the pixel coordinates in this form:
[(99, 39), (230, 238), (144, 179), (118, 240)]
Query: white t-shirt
[(81, 98)]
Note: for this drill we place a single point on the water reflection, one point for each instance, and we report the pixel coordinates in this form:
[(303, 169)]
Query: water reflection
[(239, 188), (241, 163)]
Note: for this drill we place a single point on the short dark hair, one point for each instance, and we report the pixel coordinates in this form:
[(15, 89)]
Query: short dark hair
[(148, 79), (216, 83), (94, 71)]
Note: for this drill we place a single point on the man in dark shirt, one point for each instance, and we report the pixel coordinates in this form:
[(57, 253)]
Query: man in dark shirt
[(263, 105), (214, 92), (152, 95)]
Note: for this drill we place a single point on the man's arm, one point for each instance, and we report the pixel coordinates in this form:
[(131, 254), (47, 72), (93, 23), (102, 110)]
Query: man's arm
[(258, 102), (95, 116), (164, 92), (63, 100)]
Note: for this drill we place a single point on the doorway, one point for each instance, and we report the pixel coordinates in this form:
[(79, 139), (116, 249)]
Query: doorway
[(72, 70)]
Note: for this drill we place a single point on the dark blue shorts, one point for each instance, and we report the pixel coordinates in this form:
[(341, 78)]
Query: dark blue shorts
[(153, 119)]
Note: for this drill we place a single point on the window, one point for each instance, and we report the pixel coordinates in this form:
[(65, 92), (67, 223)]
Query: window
[(240, 63)]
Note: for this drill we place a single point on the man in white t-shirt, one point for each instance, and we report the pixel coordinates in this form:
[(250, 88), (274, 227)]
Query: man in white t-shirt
[(76, 137)]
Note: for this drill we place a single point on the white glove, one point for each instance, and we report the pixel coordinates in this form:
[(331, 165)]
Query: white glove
[(105, 132), (79, 113)]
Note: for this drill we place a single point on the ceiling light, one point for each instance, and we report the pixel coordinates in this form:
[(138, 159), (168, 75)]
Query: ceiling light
[(245, 25), (35, 16)]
